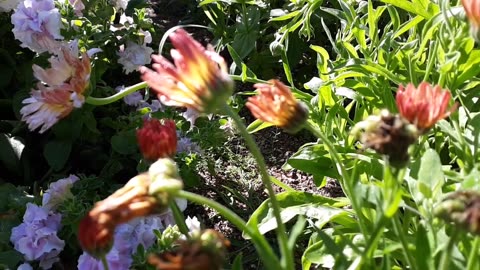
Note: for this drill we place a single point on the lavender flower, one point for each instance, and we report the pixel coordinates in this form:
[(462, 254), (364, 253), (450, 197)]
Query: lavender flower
[(36, 238), (134, 56), (78, 6), (37, 25), (25, 266), (185, 145), (133, 99), (58, 191)]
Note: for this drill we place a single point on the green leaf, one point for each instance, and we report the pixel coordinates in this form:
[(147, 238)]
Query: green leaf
[(237, 262), (56, 153), (11, 152), (313, 158), (257, 125), (10, 259), (430, 175), (293, 203), (125, 142)]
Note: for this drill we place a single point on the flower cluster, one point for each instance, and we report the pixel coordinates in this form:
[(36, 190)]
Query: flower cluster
[(36, 238), (420, 108)]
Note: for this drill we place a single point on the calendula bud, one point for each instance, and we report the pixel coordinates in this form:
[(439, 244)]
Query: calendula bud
[(203, 251), (387, 134), (461, 208), (165, 179)]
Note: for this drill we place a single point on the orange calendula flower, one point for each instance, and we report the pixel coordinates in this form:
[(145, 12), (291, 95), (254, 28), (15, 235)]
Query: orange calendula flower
[(276, 104), (472, 9), (199, 79), (423, 106), (60, 89), (157, 139)]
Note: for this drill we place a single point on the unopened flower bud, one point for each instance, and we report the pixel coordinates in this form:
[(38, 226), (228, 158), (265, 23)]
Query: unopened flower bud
[(165, 179), (461, 208), (387, 134), (157, 139), (204, 251)]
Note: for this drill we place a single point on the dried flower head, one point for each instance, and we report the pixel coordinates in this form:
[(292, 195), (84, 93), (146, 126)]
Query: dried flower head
[(157, 139), (387, 134), (203, 251), (424, 105), (198, 80), (276, 104), (461, 208)]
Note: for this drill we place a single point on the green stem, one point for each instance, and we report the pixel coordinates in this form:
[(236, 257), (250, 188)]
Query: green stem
[(445, 260), (287, 255), (473, 257), (346, 181), (264, 249), (374, 237), (398, 231), (104, 262), (127, 91), (179, 218)]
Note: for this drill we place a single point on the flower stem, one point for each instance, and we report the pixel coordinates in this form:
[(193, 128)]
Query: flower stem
[(179, 218), (346, 182), (473, 257), (445, 260), (264, 249), (398, 231), (127, 91), (104, 262), (287, 255)]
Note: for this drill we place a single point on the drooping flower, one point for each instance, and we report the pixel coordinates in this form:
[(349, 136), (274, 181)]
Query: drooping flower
[(58, 191), (134, 56), (37, 25), (198, 80), (127, 237), (276, 104), (157, 139), (36, 238), (424, 105), (60, 88), (8, 5)]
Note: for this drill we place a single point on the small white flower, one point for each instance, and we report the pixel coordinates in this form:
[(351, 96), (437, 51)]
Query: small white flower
[(120, 4), (134, 56), (37, 25), (193, 224)]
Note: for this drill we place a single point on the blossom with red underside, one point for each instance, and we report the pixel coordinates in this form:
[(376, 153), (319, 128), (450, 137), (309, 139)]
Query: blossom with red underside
[(59, 90), (425, 105), (276, 104), (94, 236), (157, 139), (198, 79)]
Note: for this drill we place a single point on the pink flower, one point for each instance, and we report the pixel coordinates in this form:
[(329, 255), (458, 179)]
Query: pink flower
[(198, 80), (425, 105), (60, 89), (472, 9)]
